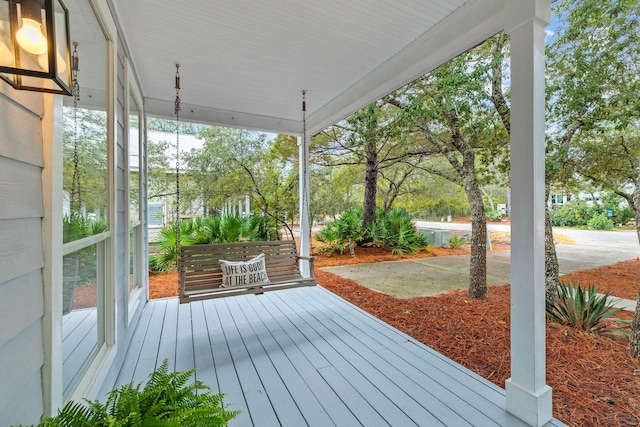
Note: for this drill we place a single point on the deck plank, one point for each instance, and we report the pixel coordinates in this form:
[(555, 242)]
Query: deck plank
[(79, 345), (306, 357), (281, 399), (228, 381), (167, 347), (184, 341), (260, 411), (347, 365), (149, 350), (125, 374), (306, 401), (368, 376), (296, 348), (203, 357), (474, 391), (431, 388)]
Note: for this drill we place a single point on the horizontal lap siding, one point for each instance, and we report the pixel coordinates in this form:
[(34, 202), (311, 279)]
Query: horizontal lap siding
[(21, 257)]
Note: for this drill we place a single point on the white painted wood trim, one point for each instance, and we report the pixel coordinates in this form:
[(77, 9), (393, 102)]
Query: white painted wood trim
[(103, 14), (76, 245), (132, 90), (528, 396), (218, 117), (305, 197), (106, 353), (52, 131)]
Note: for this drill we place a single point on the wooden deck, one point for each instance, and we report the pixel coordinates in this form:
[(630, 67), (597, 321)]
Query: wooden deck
[(306, 357), (80, 343)]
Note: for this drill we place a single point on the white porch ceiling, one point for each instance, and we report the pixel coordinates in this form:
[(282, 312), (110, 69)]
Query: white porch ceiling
[(244, 63)]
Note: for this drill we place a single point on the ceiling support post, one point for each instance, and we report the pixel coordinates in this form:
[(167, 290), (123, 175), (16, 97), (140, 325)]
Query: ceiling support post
[(528, 397), (305, 227)]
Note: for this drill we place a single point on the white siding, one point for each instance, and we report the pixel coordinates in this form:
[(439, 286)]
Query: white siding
[(21, 257)]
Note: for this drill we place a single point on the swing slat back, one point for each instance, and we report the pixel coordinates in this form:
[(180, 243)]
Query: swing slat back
[(201, 275)]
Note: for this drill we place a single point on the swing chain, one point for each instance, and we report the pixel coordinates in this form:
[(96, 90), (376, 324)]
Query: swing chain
[(305, 147), (76, 194), (177, 113)]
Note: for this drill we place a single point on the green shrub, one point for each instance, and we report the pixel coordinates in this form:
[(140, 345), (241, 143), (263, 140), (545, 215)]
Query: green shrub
[(493, 215), (455, 242), (581, 308), (601, 222), (76, 227), (576, 213), (624, 215), (166, 400)]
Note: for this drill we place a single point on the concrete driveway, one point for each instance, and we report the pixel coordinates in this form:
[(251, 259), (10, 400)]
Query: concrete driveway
[(430, 276)]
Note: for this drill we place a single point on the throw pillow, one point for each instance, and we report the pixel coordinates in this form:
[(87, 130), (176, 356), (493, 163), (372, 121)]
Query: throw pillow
[(242, 273)]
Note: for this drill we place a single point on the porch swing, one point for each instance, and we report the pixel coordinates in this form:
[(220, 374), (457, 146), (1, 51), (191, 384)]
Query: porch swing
[(241, 268)]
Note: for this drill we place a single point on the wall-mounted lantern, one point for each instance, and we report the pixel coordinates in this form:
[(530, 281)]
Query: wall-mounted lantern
[(35, 51)]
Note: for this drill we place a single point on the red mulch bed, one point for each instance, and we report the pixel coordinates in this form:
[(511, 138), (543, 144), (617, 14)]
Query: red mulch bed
[(594, 382), (622, 278)]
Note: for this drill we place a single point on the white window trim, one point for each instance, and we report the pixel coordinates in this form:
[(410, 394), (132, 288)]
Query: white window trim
[(52, 226), (131, 90)]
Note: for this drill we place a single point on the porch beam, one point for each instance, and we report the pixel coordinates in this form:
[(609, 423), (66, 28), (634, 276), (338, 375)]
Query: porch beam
[(218, 117), (527, 395)]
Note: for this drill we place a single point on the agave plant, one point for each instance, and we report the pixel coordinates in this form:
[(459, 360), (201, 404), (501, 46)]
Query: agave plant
[(166, 400), (581, 308)]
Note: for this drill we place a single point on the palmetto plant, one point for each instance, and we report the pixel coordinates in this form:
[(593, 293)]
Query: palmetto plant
[(331, 239), (581, 308), (209, 230), (165, 401), (394, 230), (455, 242), (343, 232)]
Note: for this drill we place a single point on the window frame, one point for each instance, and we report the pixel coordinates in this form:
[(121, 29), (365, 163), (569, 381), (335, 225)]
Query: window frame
[(136, 294)]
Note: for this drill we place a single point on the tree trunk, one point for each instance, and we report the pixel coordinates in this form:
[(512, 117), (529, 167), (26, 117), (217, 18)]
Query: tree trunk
[(478, 263), (370, 184), (634, 333), (552, 270)]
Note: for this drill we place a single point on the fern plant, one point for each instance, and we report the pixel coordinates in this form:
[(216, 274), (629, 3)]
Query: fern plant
[(581, 308), (165, 401)]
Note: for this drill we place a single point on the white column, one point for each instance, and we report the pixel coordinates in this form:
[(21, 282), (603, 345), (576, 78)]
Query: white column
[(240, 213), (527, 395), (247, 205), (52, 131), (305, 228)]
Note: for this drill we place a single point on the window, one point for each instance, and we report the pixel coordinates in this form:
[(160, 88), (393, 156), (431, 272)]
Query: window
[(88, 207)]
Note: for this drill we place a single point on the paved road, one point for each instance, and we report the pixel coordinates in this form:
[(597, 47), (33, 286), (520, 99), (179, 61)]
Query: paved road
[(429, 276), (591, 248)]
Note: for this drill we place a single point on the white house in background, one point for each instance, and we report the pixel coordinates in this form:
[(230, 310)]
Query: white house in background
[(243, 64), (559, 199)]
